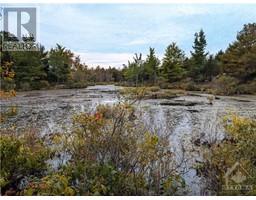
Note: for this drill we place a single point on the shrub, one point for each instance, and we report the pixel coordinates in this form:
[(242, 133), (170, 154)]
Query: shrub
[(53, 184), (7, 85), (191, 86), (74, 85), (134, 93), (22, 155), (113, 154), (24, 86), (164, 85), (7, 74), (239, 146), (248, 88), (38, 85), (153, 88), (226, 85), (108, 152)]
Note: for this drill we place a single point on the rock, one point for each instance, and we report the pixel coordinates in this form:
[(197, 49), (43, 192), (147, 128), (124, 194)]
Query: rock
[(33, 94), (181, 103), (242, 100), (193, 110), (95, 96), (34, 112), (197, 142), (65, 106), (109, 91), (210, 98)]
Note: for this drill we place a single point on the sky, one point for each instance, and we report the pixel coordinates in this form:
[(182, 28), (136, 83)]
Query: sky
[(110, 34)]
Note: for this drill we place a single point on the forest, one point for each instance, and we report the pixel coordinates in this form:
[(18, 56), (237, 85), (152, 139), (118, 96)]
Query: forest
[(230, 71)]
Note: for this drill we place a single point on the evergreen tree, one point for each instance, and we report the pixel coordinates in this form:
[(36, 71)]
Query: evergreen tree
[(151, 66), (199, 55), (173, 63), (29, 68), (134, 70), (210, 68), (60, 63), (239, 60)]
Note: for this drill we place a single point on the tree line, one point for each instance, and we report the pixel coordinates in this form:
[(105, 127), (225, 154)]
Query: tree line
[(235, 66), (230, 71)]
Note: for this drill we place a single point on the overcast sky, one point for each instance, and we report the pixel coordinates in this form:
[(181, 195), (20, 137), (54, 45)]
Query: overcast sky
[(109, 34)]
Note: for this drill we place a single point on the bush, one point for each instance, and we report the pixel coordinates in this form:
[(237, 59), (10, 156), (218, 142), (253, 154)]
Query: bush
[(22, 155), (113, 154), (164, 85), (53, 184), (239, 146), (191, 86), (153, 88), (38, 85), (248, 88), (75, 85), (7, 84), (108, 152), (24, 86), (226, 85)]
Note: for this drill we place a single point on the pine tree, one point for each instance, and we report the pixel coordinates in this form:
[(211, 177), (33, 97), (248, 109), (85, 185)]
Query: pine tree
[(151, 66), (198, 56), (29, 68), (134, 70), (239, 60), (60, 62), (173, 63), (210, 68)]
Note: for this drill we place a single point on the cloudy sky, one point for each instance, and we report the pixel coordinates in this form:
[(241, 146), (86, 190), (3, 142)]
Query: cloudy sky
[(109, 34)]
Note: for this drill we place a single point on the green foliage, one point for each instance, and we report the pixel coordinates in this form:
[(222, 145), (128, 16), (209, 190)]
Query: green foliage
[(210, 68), (7, 75), (226, 85), (247, 88), (133, 71), (113, 154), (60, 68), (29, 69), (239, 60), (6, 90), (79, 75), (151, 67), (173, 63), (108, 152), (199, 54), (22, 155), (60, 61), (53, 184), (239, 146)]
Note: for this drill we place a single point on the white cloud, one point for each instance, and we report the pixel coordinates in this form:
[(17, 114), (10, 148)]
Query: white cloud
[(105, 59), (164, 11), (118, 30), (137, 42), (94, 59)]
